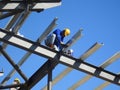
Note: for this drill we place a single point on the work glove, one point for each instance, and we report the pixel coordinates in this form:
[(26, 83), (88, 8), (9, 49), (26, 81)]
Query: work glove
[(64, 45)]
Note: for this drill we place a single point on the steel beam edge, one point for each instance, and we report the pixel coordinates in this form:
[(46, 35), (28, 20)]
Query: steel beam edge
[(104, 65), (24, 58), (45, 69), (48, 53), (91, 50)]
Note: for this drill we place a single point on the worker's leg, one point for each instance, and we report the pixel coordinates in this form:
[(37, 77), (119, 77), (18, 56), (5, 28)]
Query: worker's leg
[(50, 40)]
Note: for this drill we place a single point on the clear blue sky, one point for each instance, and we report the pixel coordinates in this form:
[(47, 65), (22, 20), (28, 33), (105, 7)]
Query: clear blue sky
[(100, 20)]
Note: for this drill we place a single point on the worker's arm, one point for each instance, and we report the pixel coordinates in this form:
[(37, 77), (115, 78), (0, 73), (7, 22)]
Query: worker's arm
[(58, 36), (64, 45)]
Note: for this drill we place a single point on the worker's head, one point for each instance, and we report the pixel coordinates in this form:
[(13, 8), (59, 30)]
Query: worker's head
[(17, 81), (66, 32)]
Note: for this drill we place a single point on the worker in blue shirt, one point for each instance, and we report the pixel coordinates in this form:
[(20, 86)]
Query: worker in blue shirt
[(55, 40)]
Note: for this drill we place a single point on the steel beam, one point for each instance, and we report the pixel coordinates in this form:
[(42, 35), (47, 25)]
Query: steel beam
[(48, 30), (31, 5), (19, 23), (31, 1), (1, 13), (11, 86), (9, 26), (8, 14), (70, 42), (24, 58), (77, 64), (12, 63), (110, 60), (115, 57), (12, 21), (74, 38), (80, 82), (39, 74), (90, 51), (104, 65), (102, 86), (50, 76)]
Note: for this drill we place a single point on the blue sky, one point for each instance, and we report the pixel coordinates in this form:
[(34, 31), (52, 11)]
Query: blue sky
[(100, 20)]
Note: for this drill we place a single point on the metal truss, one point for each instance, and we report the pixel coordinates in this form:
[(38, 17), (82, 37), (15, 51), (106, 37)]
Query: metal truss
[(68, 69), (24, 58), (56, 57), (104, 65), (103, 85), (20, 10), (12, 7), (31, 5)]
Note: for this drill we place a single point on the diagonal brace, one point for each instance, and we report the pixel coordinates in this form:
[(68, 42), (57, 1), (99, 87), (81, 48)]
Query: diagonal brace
[(64, 59), (12, 63)]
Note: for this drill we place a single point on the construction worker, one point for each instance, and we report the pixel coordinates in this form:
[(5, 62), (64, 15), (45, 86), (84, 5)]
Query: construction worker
[(55, 40), (16, 81)]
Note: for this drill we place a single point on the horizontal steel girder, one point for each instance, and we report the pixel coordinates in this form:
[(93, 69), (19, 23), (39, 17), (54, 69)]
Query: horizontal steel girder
[(41, 50)]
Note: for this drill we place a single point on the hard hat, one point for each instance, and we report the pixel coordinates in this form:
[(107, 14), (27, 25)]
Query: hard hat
[(16, 79), (66, 31)]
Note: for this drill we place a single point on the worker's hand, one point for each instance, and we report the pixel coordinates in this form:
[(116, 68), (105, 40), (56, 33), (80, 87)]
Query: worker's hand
[(64, 45), (61, 43)]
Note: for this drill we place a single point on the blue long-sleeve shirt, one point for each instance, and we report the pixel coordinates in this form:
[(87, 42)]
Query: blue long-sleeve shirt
[(59, 38)]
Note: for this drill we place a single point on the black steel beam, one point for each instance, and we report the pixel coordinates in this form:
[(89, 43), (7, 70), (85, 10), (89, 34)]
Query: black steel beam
[(8, 14), (11, 86), (24, 58), (12, 63), (29, 1), (39, 74), (25, 5), (49, 84), (41, 50)]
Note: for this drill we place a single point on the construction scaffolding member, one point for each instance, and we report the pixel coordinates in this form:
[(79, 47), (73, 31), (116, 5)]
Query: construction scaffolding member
[(16, 81), (55, 40)]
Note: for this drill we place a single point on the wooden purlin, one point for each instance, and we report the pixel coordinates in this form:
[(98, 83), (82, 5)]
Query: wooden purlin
[(25, 44)]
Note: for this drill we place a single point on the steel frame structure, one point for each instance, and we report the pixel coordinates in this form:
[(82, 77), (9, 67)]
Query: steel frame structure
[(56, 57), (19, 11)]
